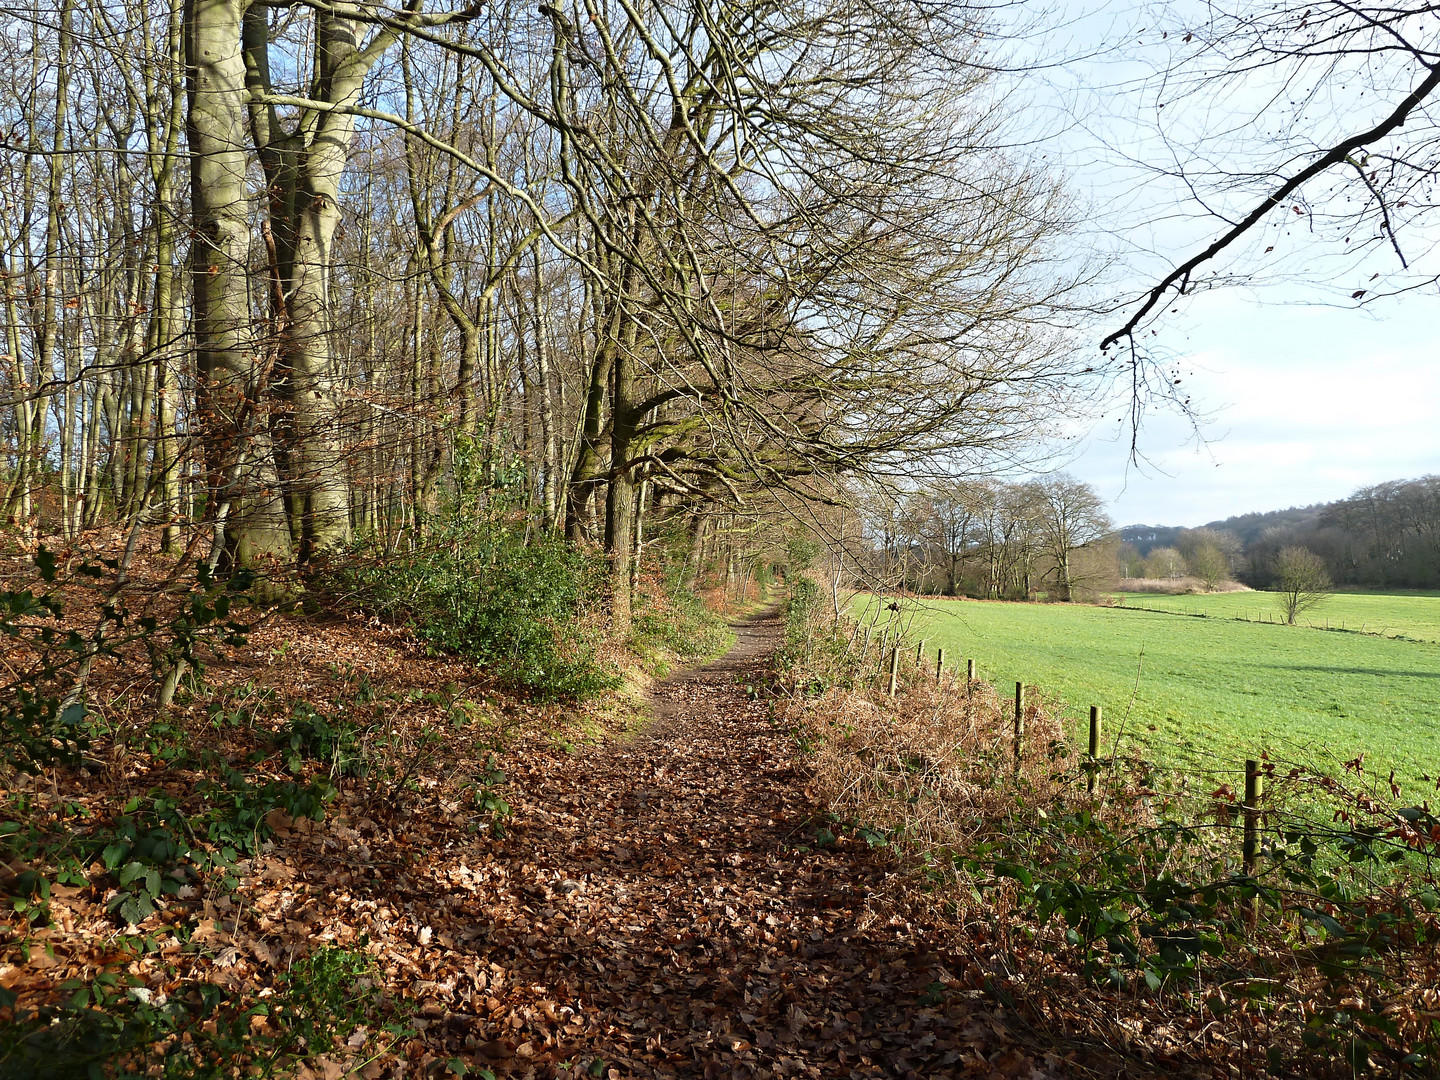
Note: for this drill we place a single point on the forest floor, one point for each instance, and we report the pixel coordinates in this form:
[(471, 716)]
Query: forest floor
[(655, 904), (703, 937)]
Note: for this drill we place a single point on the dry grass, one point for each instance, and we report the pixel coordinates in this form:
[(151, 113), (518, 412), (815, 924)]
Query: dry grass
[(1181, 586), (932, 774), (937, 759)]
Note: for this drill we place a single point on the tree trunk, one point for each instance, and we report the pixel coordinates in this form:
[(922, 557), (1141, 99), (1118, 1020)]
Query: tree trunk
[(50, 336), (585, 477), (620, 501), (550, 466), (304, 169), (241, 487)]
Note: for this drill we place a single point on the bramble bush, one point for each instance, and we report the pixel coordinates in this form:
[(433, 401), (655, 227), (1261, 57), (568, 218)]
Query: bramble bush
[(43, 717), (113, 1026), (151, 848)]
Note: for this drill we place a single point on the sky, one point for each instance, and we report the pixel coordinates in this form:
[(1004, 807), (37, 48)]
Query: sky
[(1305, 393), (1303, 403)]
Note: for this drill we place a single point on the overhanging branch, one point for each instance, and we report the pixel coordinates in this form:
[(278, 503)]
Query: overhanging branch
[(1336, 155)]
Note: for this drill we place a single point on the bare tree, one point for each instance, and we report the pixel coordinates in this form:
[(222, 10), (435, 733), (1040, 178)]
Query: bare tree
[(1164, 562), (1344, 96), (647, 267), (1209, 554), (788, 283), (1071, 516), (1300, 580)]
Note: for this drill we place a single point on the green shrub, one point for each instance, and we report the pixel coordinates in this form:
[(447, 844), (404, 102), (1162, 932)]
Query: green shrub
[(501, 595), (489, 585), (801, 552), (509, 606), (804, 596), (815, 656)]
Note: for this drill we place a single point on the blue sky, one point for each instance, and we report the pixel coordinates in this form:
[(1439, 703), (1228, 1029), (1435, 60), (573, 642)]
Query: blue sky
[(1308, 394), (1305, 403)]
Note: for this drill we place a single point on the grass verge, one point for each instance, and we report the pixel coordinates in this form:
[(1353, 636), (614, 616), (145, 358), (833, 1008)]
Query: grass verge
[(1129, 913)]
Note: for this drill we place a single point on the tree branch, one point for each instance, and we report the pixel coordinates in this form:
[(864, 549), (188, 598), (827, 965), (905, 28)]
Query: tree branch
[(1336, 155)]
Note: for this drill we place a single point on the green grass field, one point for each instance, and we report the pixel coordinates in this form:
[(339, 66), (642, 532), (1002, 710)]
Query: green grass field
[(1409, 615), (1204, 694)]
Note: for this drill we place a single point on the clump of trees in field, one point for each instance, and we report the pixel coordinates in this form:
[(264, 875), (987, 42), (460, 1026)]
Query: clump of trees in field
[(1203, 558), (996, 540)]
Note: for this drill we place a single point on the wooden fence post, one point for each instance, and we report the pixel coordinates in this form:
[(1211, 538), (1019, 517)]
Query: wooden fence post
[(1094, 748), (1254, 786), (939, 664), (970, 670), (1019, 722), (894, 668), (920, 652)]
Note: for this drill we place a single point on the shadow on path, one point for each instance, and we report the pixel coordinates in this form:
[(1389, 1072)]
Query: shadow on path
[(656, 911)]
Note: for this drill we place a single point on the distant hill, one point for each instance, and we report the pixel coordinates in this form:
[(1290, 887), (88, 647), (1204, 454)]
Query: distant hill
[(1383, 536), (1248, 527), (1145, 537)]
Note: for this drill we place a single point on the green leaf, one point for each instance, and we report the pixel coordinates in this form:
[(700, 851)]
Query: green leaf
[(1016, 871)]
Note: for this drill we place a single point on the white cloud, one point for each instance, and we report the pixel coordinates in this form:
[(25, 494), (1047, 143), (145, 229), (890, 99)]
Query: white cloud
[(1309, 403)]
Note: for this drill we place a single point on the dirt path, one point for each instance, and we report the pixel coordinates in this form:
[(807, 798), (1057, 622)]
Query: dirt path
[(670, 905)]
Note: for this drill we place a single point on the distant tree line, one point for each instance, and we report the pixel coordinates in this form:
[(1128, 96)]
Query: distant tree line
[(1383, 536)]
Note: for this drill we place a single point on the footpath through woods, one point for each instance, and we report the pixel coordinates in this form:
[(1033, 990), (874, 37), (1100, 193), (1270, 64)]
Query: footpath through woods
[(666, 889), (656, 904)]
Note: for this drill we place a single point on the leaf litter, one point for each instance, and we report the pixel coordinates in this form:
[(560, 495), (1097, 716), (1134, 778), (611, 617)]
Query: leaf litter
[(657, 904)]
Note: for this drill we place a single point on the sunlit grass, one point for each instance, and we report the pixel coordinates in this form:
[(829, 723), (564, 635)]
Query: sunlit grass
[(1205, 693), (1411, 615)]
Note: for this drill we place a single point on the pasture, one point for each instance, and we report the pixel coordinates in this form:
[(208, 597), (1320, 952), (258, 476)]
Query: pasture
[(1404, 615), (1202, 694)]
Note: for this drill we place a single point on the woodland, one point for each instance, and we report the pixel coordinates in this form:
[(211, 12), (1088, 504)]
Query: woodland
[(1382, 536), (394, 400)]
